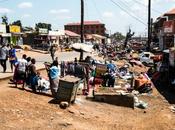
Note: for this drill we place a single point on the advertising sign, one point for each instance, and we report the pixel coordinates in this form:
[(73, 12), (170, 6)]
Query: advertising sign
[(2, 28), (100, 70), (168, 26), (43, 31), (15, 29)]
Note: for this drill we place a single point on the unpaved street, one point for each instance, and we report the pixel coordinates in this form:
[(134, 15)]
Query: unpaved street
[(21, 110)]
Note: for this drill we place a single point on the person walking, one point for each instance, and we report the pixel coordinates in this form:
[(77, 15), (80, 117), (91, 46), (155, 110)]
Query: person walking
[(4, 53), (12, 57), (54, 75), (52, 51)]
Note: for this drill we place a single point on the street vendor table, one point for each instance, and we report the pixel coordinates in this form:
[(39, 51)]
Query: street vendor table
[(67, 90)]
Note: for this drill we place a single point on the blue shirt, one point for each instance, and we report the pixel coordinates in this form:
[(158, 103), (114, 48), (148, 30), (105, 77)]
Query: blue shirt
[(54, 72), (112, 67), (12, 52)]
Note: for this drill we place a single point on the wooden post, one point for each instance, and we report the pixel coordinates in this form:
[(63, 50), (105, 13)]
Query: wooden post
[(82, 27)]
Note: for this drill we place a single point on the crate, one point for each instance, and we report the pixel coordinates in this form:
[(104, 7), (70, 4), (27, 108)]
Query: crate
[(67, 90)]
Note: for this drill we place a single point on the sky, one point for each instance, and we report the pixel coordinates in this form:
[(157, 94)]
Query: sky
[(117, 15)]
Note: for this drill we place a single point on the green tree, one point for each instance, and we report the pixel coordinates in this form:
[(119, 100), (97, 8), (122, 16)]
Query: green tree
[(18, 23), (117, 36), (4, 20), (43, 25)]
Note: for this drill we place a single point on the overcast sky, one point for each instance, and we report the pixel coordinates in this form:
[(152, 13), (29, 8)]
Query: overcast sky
[(60, 12)]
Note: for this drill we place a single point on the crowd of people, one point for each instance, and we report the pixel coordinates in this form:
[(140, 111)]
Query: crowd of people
[(25, 71)]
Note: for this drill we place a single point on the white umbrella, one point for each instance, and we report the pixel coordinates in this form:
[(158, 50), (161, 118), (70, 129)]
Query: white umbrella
[(82, 46)]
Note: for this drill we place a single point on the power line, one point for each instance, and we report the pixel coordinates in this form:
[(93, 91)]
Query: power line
[(126, 11), (97, 10), (128, 7), (138, 2), (86, 6)]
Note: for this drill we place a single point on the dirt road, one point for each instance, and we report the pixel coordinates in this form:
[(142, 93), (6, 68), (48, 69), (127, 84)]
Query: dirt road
[(24, 110)]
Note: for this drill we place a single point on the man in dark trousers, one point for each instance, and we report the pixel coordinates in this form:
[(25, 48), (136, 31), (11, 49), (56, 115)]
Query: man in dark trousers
[(4, 53)]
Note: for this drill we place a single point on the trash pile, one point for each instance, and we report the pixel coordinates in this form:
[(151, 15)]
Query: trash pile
[(121, 74), (118, 77)]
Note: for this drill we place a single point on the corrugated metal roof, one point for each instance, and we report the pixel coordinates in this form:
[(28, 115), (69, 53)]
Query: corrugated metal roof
[(72, 34), (172, 11)]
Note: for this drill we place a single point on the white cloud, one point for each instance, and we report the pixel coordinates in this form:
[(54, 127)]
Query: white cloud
[(4, 10), (108, 14), (60, 11), (26, 16), (25, 5)]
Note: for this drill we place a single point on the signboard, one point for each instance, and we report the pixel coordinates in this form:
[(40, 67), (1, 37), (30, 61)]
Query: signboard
[(43, 31), (54, 33), (168, 26), (15, 29), (2, 28), (6, 35), (100, 70)]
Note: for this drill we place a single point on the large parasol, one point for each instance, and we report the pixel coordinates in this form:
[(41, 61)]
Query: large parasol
[(82, 46)]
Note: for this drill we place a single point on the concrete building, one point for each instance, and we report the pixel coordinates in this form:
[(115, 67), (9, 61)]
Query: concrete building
[(90, 27), (164, 28)]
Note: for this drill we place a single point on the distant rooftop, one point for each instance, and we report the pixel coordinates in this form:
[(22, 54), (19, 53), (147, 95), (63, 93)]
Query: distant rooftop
[(172, 11), (72, 34), (86, 23)]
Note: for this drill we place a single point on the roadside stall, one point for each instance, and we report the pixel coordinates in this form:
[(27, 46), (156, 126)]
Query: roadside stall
[(41, 40), (53, 37)]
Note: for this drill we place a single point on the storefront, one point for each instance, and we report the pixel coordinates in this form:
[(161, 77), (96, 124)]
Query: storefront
[(41, 40), (16, 35), (54, 37), (4, 36)]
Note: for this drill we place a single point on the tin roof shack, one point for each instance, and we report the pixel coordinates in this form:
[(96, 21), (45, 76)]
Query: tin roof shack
[(41, 41), (72, 37), (95, 38), (4, 34)]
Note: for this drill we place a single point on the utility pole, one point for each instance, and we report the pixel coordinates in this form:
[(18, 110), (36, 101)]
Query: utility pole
[(82, 27), (149, 24)]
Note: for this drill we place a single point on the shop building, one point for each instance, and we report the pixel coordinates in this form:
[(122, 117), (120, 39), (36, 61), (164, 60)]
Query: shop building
[(164, 28), (90, 27)]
